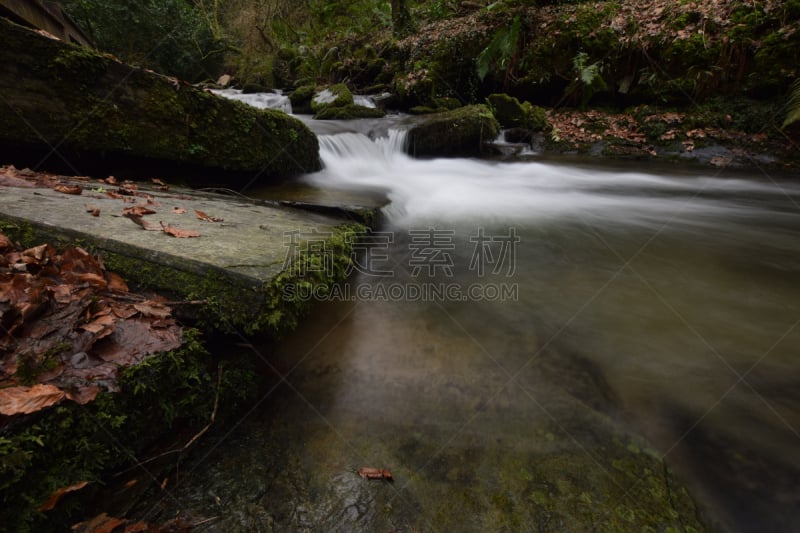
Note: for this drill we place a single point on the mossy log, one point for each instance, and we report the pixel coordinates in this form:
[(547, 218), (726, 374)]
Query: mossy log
[(73, 105), (460, 132)]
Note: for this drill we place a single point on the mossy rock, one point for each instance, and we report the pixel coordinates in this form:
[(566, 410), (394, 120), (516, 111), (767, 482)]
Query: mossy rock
[(251, 88), (513, 114), (337, 95), (425, 110), (301, 99), (349, 112), (59, 94), (460, 132), (69, 443), (447, 103)]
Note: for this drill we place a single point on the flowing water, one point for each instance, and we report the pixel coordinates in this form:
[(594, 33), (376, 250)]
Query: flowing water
[(647, 315)]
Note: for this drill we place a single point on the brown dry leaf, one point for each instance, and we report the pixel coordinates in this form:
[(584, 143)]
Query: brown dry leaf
[(178, 210), (177, 232), (128, 189), (5, 243), (207, 218), (145, 225), (99, 524), (114, 195), (94, 210), (115, 282), (102, 324), (62, 293), (152, 309), (26, 400), (69, 189), (137, 210), (57, 495), (160, 185), (111, 180), (84, 395)]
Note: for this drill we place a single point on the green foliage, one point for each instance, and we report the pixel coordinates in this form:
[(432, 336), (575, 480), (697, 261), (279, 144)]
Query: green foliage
[(588, 78), (169, 36), (501, 52), (793, 105)]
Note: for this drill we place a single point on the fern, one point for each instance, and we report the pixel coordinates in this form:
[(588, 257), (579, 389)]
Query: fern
[(501, 51), (793, 111), (588, 78)]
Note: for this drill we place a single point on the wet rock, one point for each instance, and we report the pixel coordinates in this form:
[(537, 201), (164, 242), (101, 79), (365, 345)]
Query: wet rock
[(301, 99), (461, 132), (513, 114), (349, 112)]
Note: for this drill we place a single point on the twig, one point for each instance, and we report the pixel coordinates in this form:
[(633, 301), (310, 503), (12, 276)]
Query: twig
[(193, 439)]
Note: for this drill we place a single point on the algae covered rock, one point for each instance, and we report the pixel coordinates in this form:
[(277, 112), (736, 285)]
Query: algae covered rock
[(349, 112), (334, 96), (301, 99), (95, 108), (460, 132), (337, 103), (513, 114)]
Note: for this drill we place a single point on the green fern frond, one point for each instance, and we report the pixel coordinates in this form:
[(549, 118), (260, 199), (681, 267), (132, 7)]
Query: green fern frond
[(500, 50), (793, 105)]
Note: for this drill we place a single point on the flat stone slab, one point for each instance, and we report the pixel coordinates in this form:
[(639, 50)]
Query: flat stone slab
[(246, 250)]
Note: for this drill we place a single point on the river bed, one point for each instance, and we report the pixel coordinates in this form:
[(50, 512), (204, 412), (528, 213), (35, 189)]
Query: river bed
[(529, 346)]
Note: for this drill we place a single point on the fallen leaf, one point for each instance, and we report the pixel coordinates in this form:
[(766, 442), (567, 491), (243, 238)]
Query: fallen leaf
[(137, 210), (115, 282), (94, 210), (5, 243), (178, 210), (152, 309), (144, 225), (58, 494), (375, 473), (177, 232), (26, 400), (84, 395), (99, 524), (69, 189), (207, 218), (111, 180)]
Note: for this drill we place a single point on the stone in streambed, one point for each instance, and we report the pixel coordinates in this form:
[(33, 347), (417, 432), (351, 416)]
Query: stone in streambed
[(461, 132)]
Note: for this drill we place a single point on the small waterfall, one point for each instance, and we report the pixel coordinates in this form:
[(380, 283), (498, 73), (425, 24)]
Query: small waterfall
[(365, 101), (459, 189), (274, 100)]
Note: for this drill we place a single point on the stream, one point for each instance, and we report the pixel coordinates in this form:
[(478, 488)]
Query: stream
[(528, 345)]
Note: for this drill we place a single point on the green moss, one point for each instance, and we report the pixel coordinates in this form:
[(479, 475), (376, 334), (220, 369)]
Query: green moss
[(70, 443), (301, 99), (349, 112), (461, 131), (341, 97), (511, 114)]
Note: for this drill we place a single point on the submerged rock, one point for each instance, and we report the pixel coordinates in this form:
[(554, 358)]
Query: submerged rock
[(97, 111), (460, 132)]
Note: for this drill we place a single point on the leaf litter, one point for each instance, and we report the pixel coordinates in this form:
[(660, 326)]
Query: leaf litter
[(67, 326)]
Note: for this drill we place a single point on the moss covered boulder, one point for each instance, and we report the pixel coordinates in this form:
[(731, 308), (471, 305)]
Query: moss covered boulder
[(513, 114), (334, 96), (460, 132), (349, 112), (301, 99), (337, 103), (73, 104)]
